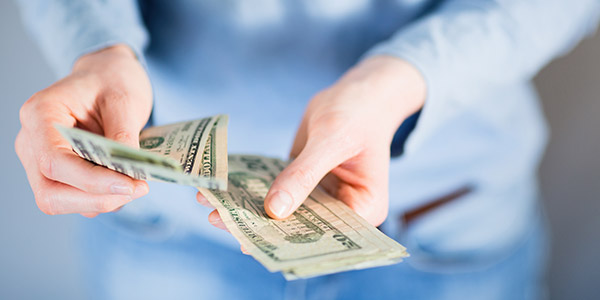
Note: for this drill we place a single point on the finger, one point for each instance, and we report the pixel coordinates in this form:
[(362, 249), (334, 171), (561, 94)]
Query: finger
[(54, 157), (93, 215), (364, 187), (60, 164), (54, 197), (58, 198), (244, 250), (122, 120), (215, 219), (202, 200), (300, 177)]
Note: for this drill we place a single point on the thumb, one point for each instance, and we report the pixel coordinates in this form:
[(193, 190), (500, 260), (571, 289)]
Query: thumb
[(120, 120), (293, 185)]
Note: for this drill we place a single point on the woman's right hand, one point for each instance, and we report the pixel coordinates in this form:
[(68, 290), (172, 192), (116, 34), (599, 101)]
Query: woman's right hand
[(108, 93)]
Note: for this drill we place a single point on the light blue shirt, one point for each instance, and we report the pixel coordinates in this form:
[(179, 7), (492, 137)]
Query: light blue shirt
[(261, 61)]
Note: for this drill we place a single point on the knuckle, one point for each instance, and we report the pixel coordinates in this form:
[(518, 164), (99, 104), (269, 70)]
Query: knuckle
[(19, 143), (36, 107), (333, 123), (33, 104), (90, 187), (105, 205), (28, 108), (45, 203), (102, 206), (123, 135), (338, 143)]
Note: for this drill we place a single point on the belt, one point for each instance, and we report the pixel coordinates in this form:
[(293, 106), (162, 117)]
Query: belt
[(414, 214)]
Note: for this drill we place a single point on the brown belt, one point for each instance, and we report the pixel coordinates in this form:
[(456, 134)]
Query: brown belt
[(410, 216)]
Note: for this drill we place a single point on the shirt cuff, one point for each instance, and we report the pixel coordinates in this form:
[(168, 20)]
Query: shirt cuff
[(415, 46)]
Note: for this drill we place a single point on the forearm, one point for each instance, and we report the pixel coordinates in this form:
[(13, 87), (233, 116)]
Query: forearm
[(473, 45), (66, 30), (396, 88)]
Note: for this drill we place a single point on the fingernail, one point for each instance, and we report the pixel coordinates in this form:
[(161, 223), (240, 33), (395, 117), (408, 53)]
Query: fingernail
[(120, 189), (140, 190), (280, 203), (216, 221)]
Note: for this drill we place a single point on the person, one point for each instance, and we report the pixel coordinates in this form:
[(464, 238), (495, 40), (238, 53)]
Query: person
[(420, 115)]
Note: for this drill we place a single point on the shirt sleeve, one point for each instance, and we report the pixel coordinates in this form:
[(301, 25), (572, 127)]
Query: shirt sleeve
[(467, 46), (66, 30)]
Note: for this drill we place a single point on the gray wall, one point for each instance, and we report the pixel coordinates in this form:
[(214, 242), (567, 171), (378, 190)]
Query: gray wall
[(570, 172), (38, 259), (37, 256)]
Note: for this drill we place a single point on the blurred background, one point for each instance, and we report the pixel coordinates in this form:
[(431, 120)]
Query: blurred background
[(38, 255)]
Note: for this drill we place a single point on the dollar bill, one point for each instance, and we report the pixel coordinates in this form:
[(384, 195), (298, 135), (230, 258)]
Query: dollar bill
[(188, 153), (323, 236)]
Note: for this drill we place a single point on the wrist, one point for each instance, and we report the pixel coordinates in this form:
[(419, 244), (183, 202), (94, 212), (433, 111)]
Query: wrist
[(397, 88), (103, 56), (121, 50), (111, 68)]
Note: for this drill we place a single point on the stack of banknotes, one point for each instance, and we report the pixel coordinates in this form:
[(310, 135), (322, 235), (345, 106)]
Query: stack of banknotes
[(322, 236)]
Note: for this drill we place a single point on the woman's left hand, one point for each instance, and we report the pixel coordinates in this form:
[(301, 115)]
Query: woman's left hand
[(344, 139)]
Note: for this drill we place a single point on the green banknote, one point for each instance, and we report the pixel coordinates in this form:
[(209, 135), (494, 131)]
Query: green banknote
[(323, 236), (188, 153)]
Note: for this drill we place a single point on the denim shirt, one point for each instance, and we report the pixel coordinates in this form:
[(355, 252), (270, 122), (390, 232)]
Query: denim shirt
[(261, 61)]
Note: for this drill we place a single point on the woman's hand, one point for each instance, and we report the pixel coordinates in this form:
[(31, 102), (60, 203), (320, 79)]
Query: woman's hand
[(108, 93), (344, 140)]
